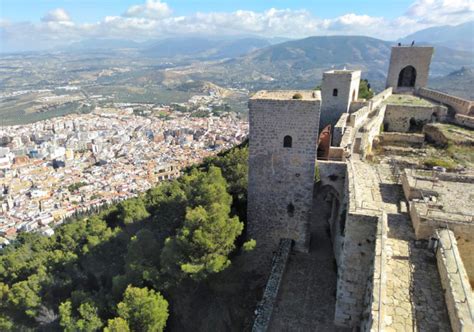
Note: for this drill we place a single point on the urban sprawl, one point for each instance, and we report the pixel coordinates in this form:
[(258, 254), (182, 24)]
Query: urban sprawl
[(54, 169)]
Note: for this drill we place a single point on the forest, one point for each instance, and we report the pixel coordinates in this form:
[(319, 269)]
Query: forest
[(139, 265)]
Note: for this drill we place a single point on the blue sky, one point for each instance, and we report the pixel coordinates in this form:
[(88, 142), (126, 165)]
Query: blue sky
[(47, 24), (90, 10)]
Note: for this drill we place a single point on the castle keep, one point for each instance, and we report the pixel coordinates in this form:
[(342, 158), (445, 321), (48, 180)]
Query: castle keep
[(282, 155), (359, 245)]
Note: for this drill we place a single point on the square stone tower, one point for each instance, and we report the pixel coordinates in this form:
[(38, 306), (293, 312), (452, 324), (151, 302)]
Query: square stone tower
[(339, 88), (409, 68), (282, 152)]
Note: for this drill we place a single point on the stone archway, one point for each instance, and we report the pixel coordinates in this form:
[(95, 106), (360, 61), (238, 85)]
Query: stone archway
[(407, 77)]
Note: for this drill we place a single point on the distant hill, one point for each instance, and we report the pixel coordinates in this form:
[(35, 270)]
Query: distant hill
[(203, 48), (300, 63), (459, 37), (459, 83)]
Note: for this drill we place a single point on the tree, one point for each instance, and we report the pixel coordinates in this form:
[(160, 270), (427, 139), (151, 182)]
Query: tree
[(117, 324), (141, 261), (203, 244), (88, 319), (132, 210), (144, 310), (365, 91), (234, 167), (167, 202)]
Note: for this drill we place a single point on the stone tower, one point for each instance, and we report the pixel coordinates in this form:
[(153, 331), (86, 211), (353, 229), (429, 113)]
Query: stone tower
[(282, 152), (409, 67), (339, 88)]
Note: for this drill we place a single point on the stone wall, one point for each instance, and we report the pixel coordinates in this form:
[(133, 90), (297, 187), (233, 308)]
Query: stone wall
[(339, 129), (358, 104), (358, 118), (398, 117), (373, 319), (394, 138), (336, 154), (356, 257), (455, 282), (460, 105), (425, 221), (379, 98), (265, 307), (369, 132), (355, 273), (401, 57), (281, 178), (464, 120), (333, 174)]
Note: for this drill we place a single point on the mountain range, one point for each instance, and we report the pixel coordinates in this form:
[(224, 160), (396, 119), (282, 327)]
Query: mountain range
[(300, 63), (458, 37)]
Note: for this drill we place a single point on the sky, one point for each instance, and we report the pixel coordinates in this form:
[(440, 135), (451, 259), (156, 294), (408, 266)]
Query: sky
[(45, 24)]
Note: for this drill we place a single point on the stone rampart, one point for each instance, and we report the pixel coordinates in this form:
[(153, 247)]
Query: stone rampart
[(373, 319), (464, 120), (369, 132), (455, 282), (380, 97), (356, 256), (358, 104), (358, 118), (460, 105), (265, 307)]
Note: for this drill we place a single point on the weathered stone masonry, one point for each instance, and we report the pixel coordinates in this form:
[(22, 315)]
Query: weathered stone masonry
[(281, 178)]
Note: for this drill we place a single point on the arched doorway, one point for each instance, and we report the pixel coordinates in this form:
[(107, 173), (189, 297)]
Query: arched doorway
[(407, 77)]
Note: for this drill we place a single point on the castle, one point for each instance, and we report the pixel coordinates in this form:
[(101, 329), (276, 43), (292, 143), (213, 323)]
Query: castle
[(374, 217)]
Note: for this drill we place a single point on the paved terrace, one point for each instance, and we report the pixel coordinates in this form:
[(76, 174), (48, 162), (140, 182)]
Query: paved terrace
[(414, 297)]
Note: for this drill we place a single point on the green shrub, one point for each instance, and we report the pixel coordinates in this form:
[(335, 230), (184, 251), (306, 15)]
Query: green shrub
[(432, 162), (249, 245), (317, 177)]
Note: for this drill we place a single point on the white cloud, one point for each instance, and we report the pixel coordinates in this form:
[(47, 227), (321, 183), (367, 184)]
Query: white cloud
[(56, 15), (153, 19), (153, 9), (441, 11)]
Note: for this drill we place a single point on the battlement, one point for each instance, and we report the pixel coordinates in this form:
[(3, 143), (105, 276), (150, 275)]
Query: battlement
[(343, 72), (288, 95)]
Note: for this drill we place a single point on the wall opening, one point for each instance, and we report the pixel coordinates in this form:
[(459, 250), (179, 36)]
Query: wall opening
[(416, 125), (354, 95), (287, 141), (407, 77), (290, 209), (334, 92)]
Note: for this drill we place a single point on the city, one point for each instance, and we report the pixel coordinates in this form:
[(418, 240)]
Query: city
[(54, 169)]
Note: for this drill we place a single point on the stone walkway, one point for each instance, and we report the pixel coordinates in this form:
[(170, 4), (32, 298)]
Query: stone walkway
[(414, 296), (307, 297)]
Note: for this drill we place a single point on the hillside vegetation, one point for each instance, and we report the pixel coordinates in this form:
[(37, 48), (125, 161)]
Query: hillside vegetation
[(135, 264)]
